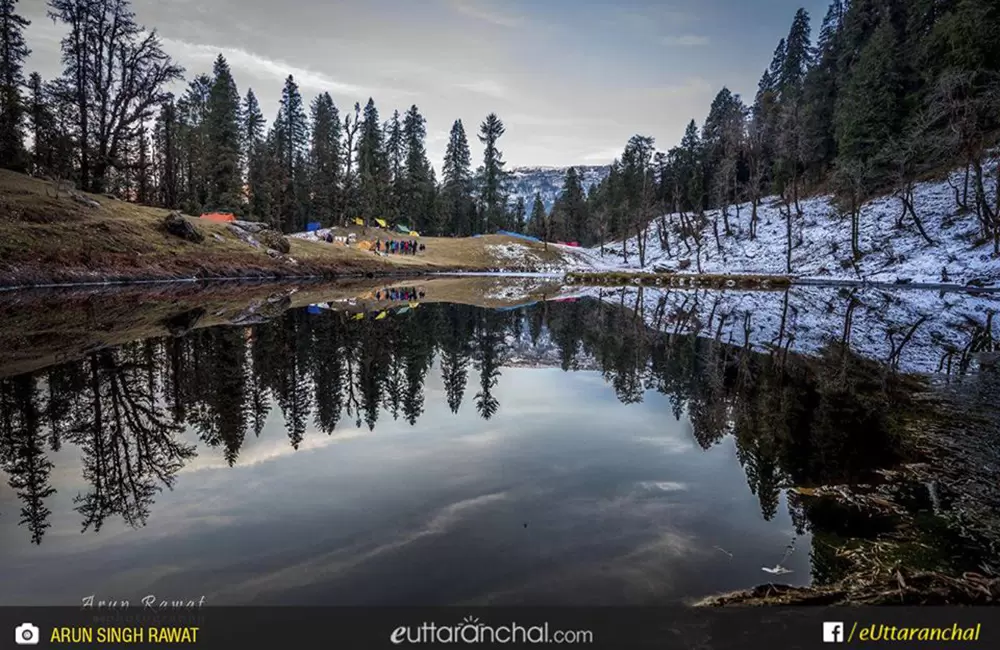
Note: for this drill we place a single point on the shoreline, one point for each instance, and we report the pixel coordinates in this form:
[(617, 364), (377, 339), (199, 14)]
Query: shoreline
[(575, 277)]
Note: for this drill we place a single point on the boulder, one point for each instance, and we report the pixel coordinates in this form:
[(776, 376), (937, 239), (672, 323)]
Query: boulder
[(251, 226), (274, 240), (684, 264), (664, 267), (84, 200), (178, 226)]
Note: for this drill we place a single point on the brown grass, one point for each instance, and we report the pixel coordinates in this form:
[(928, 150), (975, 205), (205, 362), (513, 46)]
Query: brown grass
[(48, 240)]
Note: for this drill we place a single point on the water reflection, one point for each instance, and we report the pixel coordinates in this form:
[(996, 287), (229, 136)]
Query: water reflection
[(794, 420)]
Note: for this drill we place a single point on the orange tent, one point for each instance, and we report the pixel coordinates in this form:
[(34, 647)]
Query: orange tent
[(218, 216)]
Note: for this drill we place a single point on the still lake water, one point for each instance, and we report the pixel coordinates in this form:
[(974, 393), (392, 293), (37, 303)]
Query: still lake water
[(553, 454)]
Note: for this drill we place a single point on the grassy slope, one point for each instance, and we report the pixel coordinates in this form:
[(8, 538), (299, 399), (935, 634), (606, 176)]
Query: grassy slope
[(45, 240)]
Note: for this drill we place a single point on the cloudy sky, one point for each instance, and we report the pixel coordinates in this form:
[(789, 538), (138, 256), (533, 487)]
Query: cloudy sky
[(571, 79)]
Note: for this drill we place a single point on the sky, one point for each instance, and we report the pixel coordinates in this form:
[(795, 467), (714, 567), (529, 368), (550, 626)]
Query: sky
[(572, 80)]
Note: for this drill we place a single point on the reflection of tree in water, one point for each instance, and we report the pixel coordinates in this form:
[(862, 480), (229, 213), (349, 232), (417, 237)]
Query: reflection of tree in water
[(795, 421), (22, 453), (490, 352), (456, 353), (130, 448)]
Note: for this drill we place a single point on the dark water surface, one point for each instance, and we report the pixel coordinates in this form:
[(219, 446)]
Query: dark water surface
[(561, 453)]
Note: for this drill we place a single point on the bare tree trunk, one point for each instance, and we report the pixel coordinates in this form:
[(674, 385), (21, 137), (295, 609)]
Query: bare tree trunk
[(685, 230), (697, 242), (788, 235), (907, 199), (988, 215), (795, 195)]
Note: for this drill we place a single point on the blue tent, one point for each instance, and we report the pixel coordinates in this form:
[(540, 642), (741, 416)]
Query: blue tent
[(313, 226), (517, 234), (314, 309)]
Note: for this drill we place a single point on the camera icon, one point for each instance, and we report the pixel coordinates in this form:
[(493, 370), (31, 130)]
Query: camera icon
[(26, 634)]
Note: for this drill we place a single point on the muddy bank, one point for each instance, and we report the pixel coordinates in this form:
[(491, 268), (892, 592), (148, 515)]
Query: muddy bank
[(927, 532)]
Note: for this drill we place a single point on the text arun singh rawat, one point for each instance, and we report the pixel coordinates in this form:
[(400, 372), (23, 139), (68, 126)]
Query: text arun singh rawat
[(124, 635)]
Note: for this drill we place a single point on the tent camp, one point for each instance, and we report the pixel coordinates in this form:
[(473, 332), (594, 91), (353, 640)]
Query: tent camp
[(403, 229), (223, 217)]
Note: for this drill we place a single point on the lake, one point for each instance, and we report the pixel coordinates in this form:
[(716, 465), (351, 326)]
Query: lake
[(602, 447)]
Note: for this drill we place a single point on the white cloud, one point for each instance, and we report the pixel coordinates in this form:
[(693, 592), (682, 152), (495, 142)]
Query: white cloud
[(483, 11), (607, 155), (257, 64), (487, 87), (686, 40)]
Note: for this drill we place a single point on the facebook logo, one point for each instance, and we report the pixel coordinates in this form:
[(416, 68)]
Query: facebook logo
[(833, 632)]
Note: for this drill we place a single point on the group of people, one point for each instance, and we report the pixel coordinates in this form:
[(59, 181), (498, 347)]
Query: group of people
[(406, 247), (398, 294)]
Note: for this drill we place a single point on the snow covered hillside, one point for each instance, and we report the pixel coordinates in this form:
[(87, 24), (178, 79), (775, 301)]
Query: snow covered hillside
[(822, 242), (913, 330), (548, 182)]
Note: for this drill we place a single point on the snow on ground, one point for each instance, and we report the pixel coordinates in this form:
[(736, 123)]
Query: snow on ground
[(518, 288), (513, 254), (914, 330), (822, 242)]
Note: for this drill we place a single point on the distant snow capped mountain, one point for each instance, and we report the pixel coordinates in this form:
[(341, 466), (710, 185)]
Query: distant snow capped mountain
[(548, 182)]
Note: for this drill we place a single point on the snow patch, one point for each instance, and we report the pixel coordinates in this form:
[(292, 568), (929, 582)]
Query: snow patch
[(892, 250)]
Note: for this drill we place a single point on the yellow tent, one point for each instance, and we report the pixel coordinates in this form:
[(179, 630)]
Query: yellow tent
[(382, 223), (359, 222), (414, 305), (414, 233), (359, 316), (382, 315)]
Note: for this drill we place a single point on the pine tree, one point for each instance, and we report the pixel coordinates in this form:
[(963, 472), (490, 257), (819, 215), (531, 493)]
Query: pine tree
[(867, 110), (42, 127), (722, 137), (573, 207), (638, 179), (539, 221), (396, 152), (419, 187), (222, 125), (193, 144), (492, 177), (253, 142), (325, 164), (519, 215), (820, 96), (293, 136), (13, 52), (167, 155), (373, 172), (456, 192)]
